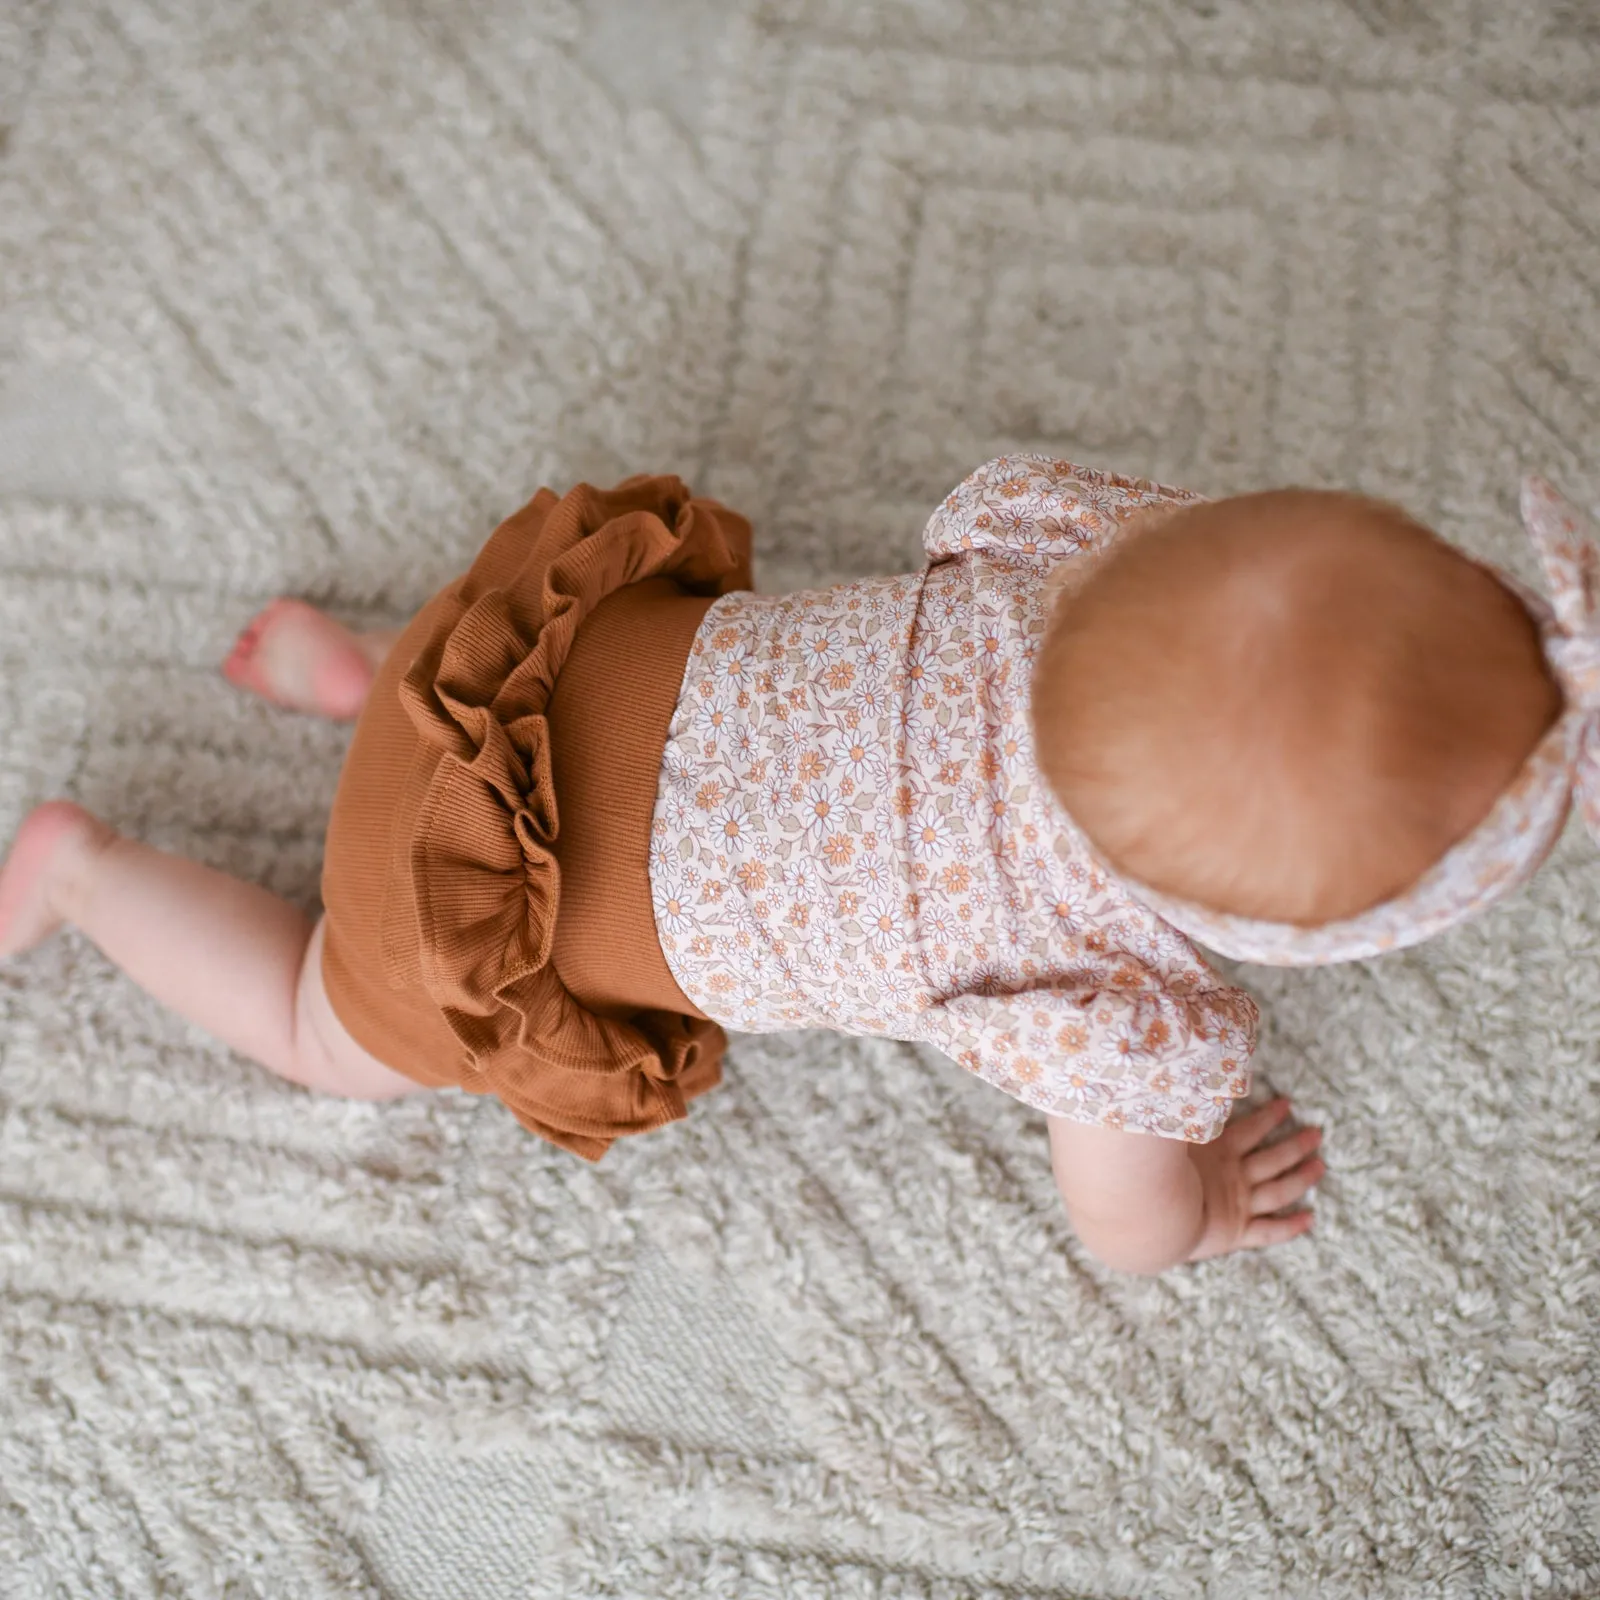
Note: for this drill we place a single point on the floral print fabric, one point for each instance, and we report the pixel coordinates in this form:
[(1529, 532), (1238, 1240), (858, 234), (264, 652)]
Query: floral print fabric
[(851, 830)]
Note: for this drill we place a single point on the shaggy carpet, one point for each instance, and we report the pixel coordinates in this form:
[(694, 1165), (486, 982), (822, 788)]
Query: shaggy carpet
[(303, 297)]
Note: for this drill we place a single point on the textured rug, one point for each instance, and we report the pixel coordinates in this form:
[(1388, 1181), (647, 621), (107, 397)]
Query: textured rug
[(304, 297)]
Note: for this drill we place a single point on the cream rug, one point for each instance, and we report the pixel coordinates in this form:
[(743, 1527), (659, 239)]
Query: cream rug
[(304, 297)]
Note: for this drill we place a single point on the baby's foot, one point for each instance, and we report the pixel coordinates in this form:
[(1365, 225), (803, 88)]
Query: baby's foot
[(298, 657), (53, 840)]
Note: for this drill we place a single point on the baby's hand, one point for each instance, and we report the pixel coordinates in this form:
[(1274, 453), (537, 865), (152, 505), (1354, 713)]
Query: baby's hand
[(1245, 1180)]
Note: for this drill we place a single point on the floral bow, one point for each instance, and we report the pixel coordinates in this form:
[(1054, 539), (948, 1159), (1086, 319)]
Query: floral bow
[(1565, 541)]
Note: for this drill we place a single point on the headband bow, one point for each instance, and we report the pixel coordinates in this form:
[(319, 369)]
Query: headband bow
[(1565, 542), (1506, 848)]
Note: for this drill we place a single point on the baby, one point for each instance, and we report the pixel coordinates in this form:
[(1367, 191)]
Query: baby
[(601, 799)]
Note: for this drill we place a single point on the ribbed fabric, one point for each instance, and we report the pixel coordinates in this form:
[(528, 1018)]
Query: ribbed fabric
[(608, 728), (445, 865)]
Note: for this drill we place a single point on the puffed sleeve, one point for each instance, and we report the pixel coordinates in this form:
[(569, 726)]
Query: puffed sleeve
[(1146, 1058), (1036, 508)]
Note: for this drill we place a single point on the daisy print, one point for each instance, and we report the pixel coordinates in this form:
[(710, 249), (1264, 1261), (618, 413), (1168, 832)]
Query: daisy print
[(680, 765), (884, 924), (929, 835), (1015, 942), (788, 973), (735, 668), (794, 740), (1123, 1043), (1065, 909), (897, 990), (967, 801), (922, 668), (711, 717), (802, 879), (822, 810), (936, 924), (823, 646), (746, 748), (937, 742), (839, 849), (872, 662), (672, 904), (827, 942), (664, 855), (1081, 1092), (857, 756), (730, 823), (870, 701), (1015, 749), (742, 925), (947, 604), (874, 874), (675, 807), (1038, 863)]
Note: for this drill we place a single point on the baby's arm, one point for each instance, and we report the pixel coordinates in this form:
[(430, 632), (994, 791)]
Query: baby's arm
[(1142, 1203)]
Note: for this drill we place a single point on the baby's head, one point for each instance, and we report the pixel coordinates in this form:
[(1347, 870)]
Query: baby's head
[(1285, 706)]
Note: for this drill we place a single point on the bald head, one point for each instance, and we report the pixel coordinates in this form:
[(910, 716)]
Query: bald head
[(1286, 705)]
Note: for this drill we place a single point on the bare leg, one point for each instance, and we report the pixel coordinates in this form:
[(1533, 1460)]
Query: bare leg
[(231, 957), (299, 657)]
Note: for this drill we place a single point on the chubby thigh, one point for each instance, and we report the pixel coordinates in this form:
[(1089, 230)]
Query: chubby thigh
[(330, 1059)]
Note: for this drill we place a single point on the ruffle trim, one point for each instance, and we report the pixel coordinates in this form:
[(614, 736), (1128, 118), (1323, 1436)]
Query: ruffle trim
[(483, 867)]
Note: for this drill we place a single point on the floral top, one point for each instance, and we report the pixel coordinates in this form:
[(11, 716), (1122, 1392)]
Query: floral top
[(851, 831)]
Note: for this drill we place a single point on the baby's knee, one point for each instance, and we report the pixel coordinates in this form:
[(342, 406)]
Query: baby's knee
[(78, 841)]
